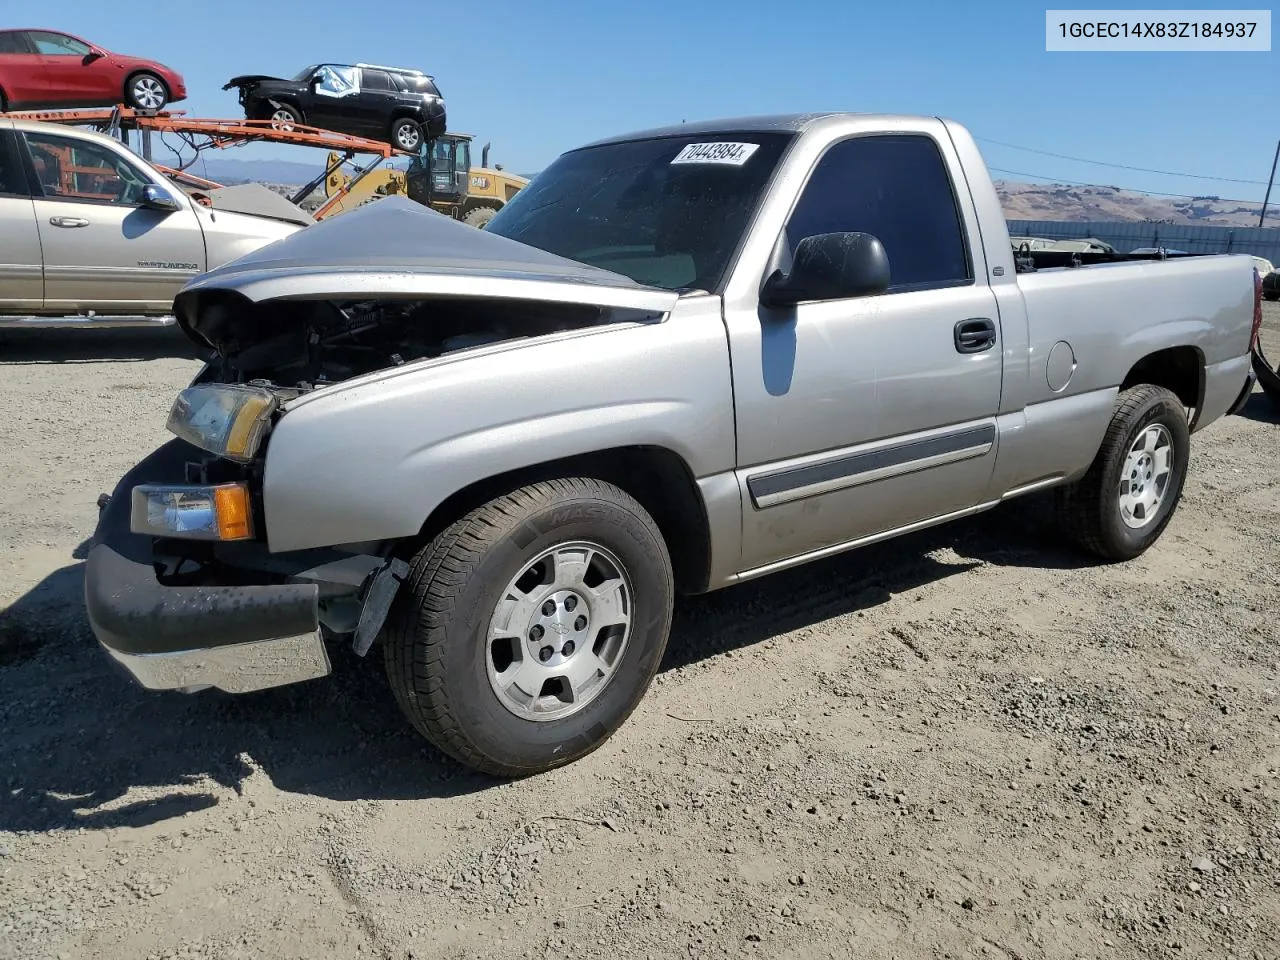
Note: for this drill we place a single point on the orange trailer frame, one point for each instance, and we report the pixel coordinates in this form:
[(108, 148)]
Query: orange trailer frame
[(220, 135)]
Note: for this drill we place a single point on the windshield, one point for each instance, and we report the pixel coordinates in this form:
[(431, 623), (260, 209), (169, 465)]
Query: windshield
[(668, 212), (304, 74)]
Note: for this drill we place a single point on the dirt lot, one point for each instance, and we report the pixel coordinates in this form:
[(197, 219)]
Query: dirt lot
[(967, 743)]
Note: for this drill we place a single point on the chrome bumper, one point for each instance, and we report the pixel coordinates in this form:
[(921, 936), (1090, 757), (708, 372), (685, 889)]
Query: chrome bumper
[(234, 668)]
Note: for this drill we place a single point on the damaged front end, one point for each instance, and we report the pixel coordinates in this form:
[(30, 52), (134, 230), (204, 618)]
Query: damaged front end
[(182, 584)]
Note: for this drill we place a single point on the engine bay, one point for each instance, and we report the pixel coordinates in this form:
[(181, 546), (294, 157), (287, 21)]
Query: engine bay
[(305, 344)]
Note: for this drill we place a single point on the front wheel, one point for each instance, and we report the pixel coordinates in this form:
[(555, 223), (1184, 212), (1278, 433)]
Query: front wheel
[(146, 91), (1122, 504), (284, 116), (528, 631)]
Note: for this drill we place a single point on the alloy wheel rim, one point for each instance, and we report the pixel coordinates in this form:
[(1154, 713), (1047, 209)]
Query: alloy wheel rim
[(1144, 481), (407, 137), (559, 631), (148, 93)]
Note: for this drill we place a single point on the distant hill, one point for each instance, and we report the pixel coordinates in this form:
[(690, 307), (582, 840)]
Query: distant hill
[(258, 171), (1041, 201), (1021, 201)]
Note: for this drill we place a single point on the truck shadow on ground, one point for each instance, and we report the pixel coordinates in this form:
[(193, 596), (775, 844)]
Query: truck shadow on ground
[(60, 346), (85, 748), (1261, 408)]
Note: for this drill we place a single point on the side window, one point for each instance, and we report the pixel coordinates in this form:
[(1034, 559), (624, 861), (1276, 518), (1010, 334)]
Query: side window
[(11, 42), (896, 188), (464, 157), (375, 80), (337, 80), (13, 178), (70, 169), (57, 44)]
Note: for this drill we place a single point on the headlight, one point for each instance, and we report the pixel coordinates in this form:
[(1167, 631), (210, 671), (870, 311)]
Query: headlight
[(227, 419), (219, 512)]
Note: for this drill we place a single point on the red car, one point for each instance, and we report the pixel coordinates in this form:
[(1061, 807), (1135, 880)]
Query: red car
[(49, 69)]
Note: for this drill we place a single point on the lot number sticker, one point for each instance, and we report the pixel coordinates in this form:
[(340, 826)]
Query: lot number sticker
[(733, 154)]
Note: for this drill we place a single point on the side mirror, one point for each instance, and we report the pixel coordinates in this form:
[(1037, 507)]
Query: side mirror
[(156, 198), (314, 80), (829, 266), (93, 54)]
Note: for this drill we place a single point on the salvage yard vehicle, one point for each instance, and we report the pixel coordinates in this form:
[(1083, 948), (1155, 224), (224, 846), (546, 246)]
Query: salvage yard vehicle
[(676, 361), (50, 69), (1271, 285), (92, 233), (400, 105)]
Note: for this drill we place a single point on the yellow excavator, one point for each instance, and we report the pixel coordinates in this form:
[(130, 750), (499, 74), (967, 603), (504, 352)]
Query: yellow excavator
[(440, 176)]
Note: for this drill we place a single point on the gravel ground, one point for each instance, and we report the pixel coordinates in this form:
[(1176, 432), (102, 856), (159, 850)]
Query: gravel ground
[(966, 743)]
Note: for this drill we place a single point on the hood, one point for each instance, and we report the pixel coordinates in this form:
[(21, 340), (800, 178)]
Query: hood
[(255, 200), (129, 61), (249, 79), (395, 247)]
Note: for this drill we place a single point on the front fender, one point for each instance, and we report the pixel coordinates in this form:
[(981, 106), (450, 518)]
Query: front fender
[(370, 459)]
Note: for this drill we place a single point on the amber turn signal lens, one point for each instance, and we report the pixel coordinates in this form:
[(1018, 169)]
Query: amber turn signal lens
[(235, 519)]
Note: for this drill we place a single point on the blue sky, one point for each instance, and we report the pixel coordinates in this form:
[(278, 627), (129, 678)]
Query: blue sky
[(538, 78)]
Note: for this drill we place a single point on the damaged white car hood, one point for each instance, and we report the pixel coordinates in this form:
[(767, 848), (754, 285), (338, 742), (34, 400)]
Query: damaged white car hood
[(396, 247)]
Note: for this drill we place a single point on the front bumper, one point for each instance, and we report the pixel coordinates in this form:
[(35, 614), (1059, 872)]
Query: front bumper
[(235, 638)]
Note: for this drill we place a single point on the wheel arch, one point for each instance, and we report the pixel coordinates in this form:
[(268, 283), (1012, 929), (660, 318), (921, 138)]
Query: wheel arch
[(658, 478), (134, 74), (1180, 369), (407, 113)]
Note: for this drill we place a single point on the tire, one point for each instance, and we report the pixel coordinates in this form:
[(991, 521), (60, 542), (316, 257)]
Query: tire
[(406, 134), (284, 117), (146, 91), (479, 216), (1265, 296), (1091, 509), (445, 673)]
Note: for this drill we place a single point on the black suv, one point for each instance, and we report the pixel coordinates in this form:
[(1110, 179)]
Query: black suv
[(393, 104)]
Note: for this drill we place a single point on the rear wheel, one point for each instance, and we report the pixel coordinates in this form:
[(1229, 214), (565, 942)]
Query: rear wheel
[(406, 133), (528, 630), (146, 91), (1122, 504)]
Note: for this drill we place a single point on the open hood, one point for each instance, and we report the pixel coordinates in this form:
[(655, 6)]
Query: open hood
[(249, 79), (390, 282), (395, 247)]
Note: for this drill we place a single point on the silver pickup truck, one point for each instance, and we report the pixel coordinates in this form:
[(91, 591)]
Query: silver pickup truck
[(92, 233), (678, 360)]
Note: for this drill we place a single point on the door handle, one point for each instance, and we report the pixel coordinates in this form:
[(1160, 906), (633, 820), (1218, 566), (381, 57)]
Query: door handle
[(975, 335), (69, 221)]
